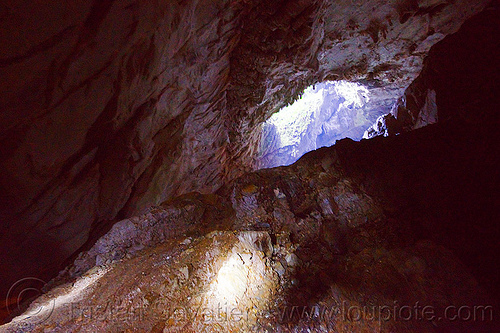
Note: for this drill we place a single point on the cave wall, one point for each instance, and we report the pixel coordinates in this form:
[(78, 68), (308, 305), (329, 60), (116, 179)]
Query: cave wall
[(102, 102), (457, 88), (108, 107), (457, 77), (455, 82)]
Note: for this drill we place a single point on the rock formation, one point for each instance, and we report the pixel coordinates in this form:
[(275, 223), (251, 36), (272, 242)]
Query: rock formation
[(466, 62), (111, 107), (345, 228)]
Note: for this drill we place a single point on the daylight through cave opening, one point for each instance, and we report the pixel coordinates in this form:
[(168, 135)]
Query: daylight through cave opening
[(324, 113)]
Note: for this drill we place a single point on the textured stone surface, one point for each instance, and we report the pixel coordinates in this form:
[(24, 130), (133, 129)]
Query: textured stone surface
[(223, 269), (388, 222), (111, 106), (457, 76)]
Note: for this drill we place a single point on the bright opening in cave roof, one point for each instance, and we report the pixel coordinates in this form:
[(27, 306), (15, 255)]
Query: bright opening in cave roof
[(325, 113)]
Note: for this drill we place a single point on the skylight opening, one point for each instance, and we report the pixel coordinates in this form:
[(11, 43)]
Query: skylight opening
[(325, 113)]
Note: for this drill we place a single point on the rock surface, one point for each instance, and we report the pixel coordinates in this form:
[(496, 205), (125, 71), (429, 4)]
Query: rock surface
[(111, 106), (457, 75), (377, 224)]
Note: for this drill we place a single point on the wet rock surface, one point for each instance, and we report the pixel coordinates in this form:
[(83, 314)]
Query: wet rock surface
[(109, 107)]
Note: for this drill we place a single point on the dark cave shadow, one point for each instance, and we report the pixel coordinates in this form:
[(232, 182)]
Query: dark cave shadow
[(25, 272), (450, 201)]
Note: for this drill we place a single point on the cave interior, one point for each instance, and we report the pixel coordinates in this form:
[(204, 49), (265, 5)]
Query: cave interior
[(150, 180)]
